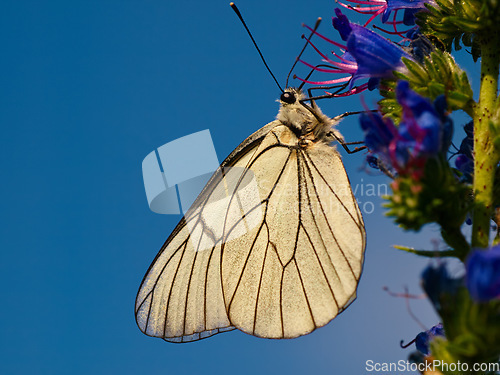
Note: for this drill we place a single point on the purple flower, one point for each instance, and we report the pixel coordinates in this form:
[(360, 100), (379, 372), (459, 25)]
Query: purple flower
[(376, 56), (368, 55), (423, 124), (465, 159), (419, 45), (483, 274), (380, 136), (424, 338), (385, 7), (467, 145), (411, 7), (437, 282), (466, 166), (424, 131)]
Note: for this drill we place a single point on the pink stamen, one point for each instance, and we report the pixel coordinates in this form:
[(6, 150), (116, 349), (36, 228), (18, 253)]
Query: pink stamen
[(394, 20), (325, 38), (348, 68), (403, 295), (338, 56), (373, 2), (362, 10), (326, 59), (322, 69), (334, 81), (366, 10), (345, 61), (399, 33), (353, 91), (375, 15), (392, 153)]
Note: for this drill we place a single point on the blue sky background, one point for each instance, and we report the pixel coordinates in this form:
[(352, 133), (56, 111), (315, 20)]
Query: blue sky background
[(88, 89)]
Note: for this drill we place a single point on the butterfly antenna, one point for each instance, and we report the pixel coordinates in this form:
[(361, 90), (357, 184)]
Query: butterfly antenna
[(318, 21), (236, 10)]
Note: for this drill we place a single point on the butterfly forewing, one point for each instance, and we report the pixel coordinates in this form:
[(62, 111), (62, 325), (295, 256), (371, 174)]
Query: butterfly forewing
[(180, 298)]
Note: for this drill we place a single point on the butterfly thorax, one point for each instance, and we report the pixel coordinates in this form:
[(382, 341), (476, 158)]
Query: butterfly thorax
[(308, 123)]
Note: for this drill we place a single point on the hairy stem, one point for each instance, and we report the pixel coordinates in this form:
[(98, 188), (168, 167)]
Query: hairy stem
[(485, 156)]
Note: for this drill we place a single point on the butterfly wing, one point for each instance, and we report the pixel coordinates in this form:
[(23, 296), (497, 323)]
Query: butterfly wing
[(277, 259), (300, 266), (180, 298)]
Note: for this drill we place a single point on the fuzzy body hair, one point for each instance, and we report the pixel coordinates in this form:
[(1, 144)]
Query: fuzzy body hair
[(308, 122)]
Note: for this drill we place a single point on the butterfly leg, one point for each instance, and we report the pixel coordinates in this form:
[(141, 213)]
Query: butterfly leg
[(345, 144)]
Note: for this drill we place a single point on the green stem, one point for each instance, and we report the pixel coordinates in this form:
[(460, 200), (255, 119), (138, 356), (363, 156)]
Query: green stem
[(453, 236), (485, 156)]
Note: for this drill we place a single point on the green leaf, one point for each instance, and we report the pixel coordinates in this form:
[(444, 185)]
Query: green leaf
[(427, 253), (417, 72)]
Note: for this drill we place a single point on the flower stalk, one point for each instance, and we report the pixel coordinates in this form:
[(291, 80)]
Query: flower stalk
[(435, 182), (486, 157)]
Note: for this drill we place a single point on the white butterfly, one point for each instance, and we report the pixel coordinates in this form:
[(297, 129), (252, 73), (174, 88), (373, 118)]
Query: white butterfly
[(276, 263)]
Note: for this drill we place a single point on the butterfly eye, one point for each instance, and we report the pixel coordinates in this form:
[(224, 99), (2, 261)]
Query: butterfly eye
[(288, 97)]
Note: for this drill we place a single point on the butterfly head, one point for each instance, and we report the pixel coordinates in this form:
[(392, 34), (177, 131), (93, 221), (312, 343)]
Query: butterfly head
[(301, 118), (289, 96)]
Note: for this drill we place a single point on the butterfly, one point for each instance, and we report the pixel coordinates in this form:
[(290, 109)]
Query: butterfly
[(273, 245)]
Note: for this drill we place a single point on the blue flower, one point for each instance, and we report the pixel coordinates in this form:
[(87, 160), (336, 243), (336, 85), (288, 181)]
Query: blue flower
[(367, 55), (483, 274), (424, 131), (437, 282), (465, 159), (424, 122), (467, 145), (375, 56), (380, 136), (411, 7), (420, 45), (386, 7), (466, 166), (423, 339)]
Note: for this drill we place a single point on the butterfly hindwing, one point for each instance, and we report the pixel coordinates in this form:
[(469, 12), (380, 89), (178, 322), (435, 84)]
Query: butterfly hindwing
[(291, 274)]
